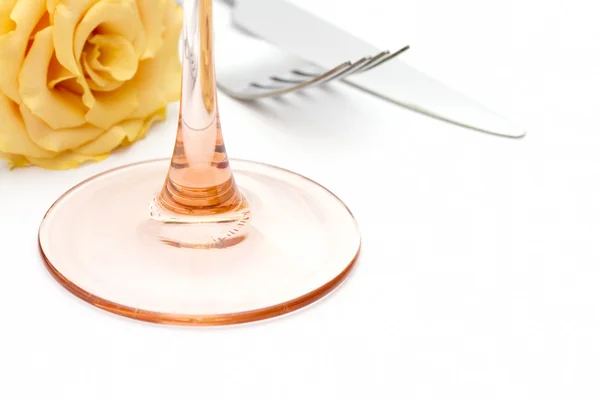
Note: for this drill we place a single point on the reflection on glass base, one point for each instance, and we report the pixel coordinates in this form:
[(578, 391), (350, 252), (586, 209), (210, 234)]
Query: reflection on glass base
[(106, 244)]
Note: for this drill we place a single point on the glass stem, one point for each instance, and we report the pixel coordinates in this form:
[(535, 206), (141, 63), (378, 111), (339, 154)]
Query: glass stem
[(200, 181)]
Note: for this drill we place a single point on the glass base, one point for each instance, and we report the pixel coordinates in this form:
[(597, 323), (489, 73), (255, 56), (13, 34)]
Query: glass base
[(103, 242)]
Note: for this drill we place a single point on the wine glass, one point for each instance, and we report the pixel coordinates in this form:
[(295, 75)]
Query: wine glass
[(223, 242)]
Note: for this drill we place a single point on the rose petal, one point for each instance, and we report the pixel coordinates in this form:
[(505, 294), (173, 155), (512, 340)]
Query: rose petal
[(57, 140), (160, 115), (96, 79), (24, 16), (15, 160), (172, 77), (106, 17), (57, 73), (113, 138), (98, 85), (152, 14), (67, 15), (13, 136), (42, 24), (112, 107), (58, 109), (116, 56), (122, 134), (159, 78), (51, 6), (64, 161), (6, 24), (72, 85)]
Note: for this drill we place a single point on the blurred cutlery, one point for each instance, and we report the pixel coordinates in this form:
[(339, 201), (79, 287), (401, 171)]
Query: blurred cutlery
[(304, 35)]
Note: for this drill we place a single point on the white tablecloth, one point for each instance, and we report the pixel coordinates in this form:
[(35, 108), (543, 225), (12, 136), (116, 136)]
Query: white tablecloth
[(479, 273)]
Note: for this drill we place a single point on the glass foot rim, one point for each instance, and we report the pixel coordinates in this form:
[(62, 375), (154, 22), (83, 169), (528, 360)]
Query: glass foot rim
[(198, 320)]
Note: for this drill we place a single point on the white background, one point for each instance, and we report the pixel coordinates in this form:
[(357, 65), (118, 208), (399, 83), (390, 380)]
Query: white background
[(480, 274)]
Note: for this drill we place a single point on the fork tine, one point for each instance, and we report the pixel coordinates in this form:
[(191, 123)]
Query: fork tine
[(281, 86), (270, 90), (340, 69), (355, 66), (374, 60), (358, 65), (266, 87), (281, 80), (362, 65), (386, 59), (301, 73)]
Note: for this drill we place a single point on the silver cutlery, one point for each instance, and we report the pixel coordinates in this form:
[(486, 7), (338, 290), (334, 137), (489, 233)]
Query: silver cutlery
[(304, 35), (279, 73)]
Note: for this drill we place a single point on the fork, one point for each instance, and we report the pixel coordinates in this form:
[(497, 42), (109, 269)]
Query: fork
[(299, 77), (249, 68), (304, 80)]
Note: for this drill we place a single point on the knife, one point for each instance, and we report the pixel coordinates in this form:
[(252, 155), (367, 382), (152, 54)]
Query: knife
[(305, 35)]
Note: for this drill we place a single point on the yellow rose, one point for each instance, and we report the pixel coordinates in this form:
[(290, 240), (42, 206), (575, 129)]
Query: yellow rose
[(79, 78)]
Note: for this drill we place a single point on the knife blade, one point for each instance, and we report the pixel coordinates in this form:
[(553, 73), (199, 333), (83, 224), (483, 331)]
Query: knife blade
[(306, 35)]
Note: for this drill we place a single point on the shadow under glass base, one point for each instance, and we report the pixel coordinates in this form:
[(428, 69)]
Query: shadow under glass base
[(99, 241)]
